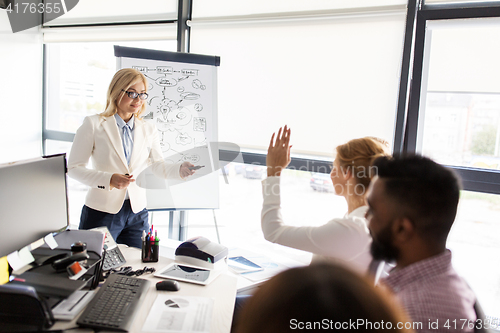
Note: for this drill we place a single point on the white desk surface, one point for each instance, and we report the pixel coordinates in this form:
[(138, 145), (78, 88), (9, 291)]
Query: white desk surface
[(244, 284), (222, 290)]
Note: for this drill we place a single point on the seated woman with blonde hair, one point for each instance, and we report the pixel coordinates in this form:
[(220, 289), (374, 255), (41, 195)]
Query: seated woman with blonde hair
[(321, 297), (345, 240)]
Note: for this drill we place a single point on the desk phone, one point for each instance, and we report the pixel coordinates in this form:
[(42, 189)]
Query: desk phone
[(114, 257)]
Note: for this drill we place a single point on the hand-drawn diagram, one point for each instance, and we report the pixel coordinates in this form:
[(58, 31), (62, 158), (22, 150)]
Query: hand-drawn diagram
[(182, 105), (200, 124), (177, 106)]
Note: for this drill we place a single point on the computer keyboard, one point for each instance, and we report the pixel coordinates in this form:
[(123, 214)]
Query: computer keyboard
[(113, 258), (114, 305)]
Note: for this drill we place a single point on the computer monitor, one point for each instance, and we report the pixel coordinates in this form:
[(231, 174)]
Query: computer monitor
[(33, 201)]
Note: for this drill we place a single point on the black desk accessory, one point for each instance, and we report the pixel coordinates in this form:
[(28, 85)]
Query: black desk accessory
[(23, 310), (56, 286), (113, 257), (128, 271), (200, 251), (60, 265), (150, 250), (168, 285), (26, 301)]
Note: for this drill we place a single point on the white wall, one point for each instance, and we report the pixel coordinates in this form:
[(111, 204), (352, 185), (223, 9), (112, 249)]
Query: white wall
[(20, 92)]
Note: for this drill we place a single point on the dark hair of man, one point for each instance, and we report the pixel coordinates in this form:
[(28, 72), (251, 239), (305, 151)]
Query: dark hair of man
[(316, 293), (427, 193)]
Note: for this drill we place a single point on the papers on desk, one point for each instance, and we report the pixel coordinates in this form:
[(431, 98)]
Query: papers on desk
[(179, 314)]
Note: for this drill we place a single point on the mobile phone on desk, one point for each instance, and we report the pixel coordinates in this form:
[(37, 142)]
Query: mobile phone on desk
[(242, 265)]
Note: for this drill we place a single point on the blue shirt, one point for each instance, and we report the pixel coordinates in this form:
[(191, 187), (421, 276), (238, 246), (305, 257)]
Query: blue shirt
[(120, 122)]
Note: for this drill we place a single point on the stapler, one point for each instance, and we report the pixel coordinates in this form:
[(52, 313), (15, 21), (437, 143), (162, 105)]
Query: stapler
[(61, 264), (45, 260)]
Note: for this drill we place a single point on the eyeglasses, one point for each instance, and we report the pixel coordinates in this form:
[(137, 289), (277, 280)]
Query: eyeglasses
[(133, 94)]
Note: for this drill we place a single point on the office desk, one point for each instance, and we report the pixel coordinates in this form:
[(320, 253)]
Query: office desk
[(222, 290)]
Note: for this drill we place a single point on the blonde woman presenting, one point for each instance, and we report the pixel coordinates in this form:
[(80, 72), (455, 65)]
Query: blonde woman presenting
[(345, 240), (120, 145)]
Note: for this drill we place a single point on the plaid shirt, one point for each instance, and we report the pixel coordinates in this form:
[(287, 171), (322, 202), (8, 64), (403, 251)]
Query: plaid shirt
[(433, 294)]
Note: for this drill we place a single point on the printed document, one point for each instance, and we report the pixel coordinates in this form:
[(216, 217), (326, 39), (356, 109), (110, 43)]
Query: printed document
[(179, 314)]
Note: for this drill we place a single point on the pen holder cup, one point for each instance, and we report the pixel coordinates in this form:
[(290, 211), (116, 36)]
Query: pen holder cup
[(150, 251)]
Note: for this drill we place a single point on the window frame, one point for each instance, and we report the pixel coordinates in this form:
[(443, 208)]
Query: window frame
[(407, 117)]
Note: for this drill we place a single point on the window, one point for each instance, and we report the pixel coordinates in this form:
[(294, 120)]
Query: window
[(78, 77), (452, 115), (475, 247), (460, 87), (22, 58)]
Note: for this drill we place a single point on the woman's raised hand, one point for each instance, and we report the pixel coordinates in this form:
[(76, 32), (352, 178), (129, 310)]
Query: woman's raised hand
[(278, 154)]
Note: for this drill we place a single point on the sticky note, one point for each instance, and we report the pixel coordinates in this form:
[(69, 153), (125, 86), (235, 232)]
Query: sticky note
[(26, 256), (37, 244), (4, 270), (15, 261), (51, 242), (21, 258)]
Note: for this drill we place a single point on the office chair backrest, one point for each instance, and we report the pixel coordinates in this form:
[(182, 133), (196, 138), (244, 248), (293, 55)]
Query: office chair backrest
[(22, 310)]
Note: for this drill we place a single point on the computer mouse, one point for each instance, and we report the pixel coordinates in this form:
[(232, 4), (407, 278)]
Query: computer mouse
[(169, 285)]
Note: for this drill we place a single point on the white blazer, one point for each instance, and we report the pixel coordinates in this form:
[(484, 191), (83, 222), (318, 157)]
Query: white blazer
[(99, 139)]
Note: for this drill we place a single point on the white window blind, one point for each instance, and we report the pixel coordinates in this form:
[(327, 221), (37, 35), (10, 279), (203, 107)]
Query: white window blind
[(331, 79), (21, 89), (221, 8), (112, 33), (464, 55), (88, 12), (453, 1)]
